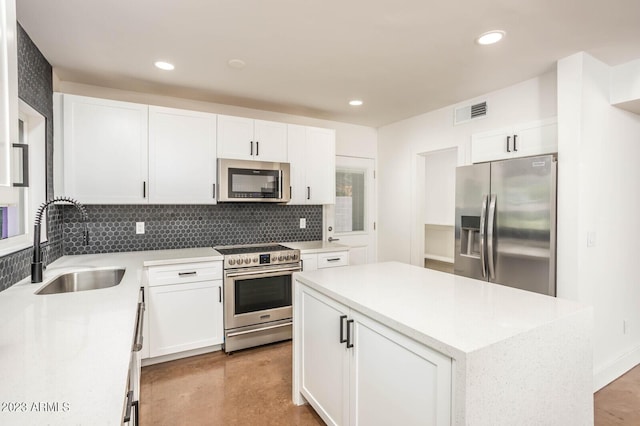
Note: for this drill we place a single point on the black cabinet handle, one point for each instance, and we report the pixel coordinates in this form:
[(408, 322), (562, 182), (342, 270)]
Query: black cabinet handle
[(342, 318), (214, 191), (290, 192), (144, 189), (257, 147), (220, 294), (508, 139), (515, 147), (251, 147), (308, 192), (349, 342)]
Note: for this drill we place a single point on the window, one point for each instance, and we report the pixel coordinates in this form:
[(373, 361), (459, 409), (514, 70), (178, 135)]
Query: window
[(350, 200), (29, 177)]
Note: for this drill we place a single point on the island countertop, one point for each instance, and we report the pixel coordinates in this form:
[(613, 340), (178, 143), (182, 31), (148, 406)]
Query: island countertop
[(517, 357), (450, 313)]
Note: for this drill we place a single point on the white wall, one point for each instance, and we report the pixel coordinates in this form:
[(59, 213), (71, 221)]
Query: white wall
[(351, 139), (598, 192), (400, 185)]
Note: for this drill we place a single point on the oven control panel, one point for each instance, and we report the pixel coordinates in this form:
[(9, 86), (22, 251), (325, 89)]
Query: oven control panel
[(245, 260)]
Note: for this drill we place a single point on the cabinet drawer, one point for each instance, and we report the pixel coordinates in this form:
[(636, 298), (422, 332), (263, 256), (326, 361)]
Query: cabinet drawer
[(184, 273), (333, 259)]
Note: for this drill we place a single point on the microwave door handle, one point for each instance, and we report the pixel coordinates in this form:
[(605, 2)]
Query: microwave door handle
[(280, 187)]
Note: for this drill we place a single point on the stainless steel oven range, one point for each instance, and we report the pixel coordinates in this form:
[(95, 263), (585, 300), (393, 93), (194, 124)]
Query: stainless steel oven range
[(258, 290)]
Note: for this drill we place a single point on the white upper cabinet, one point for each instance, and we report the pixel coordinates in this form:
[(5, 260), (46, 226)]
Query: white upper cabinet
[(8, 92), (182, 156), (105, 150), (247, 139), (534, 138), (312, 155)]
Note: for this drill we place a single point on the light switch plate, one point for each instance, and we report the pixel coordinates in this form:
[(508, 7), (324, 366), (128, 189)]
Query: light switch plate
[(139, 227), (303, 222)]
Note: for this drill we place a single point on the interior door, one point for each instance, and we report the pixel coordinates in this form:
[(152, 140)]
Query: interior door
[(351, 220)]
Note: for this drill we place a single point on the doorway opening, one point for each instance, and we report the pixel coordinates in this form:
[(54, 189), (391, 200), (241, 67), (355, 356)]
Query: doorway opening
[(436, 213)]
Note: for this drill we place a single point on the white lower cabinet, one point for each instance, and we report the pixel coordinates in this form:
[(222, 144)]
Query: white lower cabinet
[(309, 262), (313, 261), (185, 313), (356, 371)]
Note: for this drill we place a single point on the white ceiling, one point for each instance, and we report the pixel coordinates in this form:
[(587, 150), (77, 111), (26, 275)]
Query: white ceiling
[(309, 57)]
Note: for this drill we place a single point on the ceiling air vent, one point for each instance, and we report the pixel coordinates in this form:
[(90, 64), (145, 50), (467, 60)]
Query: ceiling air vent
[(467, 113)]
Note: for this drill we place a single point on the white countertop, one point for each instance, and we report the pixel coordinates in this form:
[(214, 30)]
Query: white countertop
[(319, 246), (452, 314), (74, 349)]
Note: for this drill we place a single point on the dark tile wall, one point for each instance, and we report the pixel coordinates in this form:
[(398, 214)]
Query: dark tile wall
[(113, 228), (35, 87)]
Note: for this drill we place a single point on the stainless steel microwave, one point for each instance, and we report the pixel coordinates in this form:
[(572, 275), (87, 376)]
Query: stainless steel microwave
[(253, 181)]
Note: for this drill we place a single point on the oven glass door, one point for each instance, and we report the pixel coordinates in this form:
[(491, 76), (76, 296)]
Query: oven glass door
[(251, 183), (256, 297), (260, 294)]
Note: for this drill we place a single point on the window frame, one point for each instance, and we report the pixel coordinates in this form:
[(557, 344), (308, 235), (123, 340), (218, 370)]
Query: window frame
[(35, 138)]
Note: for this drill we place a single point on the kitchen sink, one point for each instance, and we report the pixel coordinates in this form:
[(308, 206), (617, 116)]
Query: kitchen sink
[(83, 280)]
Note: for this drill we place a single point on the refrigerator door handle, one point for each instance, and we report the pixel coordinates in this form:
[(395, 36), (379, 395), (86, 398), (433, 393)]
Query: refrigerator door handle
[(490, 224), (483, 217)]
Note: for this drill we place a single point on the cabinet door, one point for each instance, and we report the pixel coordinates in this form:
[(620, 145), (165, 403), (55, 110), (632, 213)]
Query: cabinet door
[(105, 151), (540, 137), (184, 317), (321, 166), (491, 146), (324, 359), (182, 156), (395, 380), (296, 146), (309, 262), (235, 137), (270, 141), (8, 94)]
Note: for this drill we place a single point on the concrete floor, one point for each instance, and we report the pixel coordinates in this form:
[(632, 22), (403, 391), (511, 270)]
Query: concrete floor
[(250, 387), (253, 387)]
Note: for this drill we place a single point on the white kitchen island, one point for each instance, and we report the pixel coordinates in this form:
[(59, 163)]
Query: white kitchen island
[(391, 343)]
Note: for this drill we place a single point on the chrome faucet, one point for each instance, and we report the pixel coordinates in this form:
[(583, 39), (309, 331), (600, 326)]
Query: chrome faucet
[(36, 263)]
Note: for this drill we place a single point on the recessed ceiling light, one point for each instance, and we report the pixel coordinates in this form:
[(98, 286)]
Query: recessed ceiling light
[(237, 63), (490, 37), (355, 102), (164, 65)]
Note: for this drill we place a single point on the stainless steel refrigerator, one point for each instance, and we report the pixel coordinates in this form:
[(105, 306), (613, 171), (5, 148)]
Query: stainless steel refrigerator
[(506, 223)]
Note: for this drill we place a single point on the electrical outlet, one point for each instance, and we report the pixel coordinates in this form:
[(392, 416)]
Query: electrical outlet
[(303, 223), (139, 227)]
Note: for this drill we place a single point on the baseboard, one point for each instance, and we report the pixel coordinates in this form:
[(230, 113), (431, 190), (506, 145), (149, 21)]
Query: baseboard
[(607, 374), (180, 355)]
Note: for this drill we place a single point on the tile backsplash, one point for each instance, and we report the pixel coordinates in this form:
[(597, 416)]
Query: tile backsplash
[(112, 228)]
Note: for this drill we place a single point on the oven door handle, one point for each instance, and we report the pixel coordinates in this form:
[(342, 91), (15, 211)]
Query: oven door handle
[(239, 333), (263, 272)]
